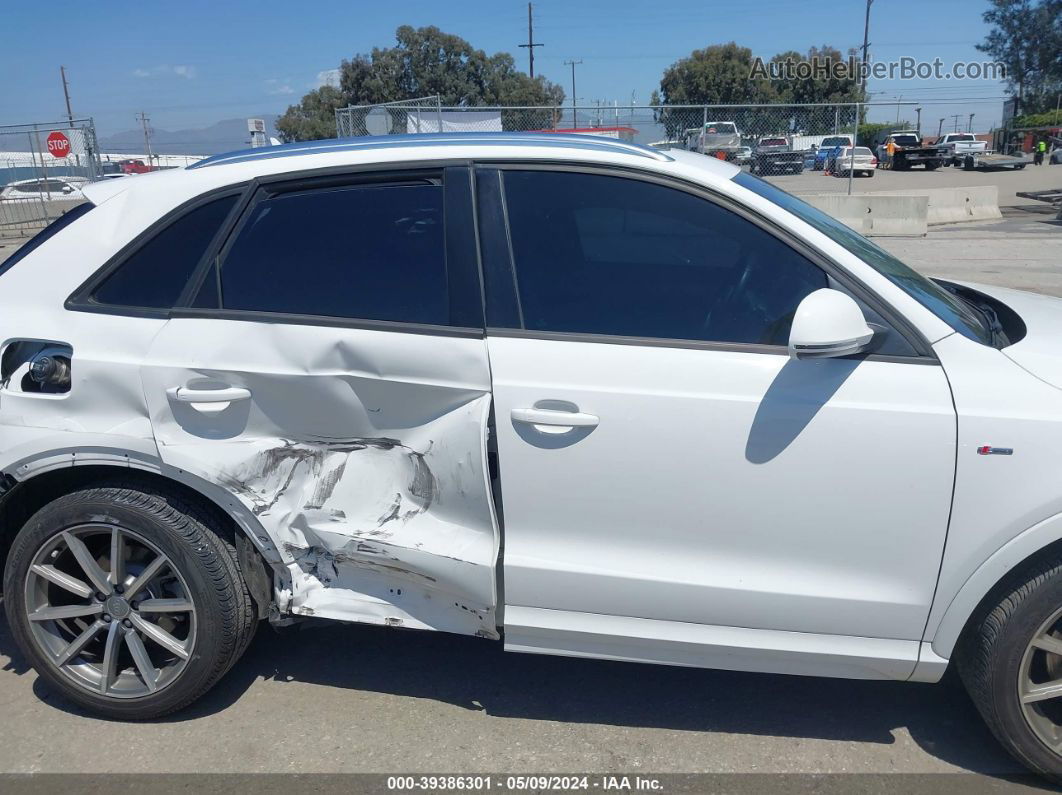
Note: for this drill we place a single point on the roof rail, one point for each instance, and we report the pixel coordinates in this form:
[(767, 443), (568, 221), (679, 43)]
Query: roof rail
[(592, 142)]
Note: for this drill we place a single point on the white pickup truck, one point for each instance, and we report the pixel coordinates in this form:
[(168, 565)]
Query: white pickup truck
[(961, 144)]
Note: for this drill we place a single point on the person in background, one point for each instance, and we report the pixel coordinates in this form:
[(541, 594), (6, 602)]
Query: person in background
[(890, 151), (1040, 150)]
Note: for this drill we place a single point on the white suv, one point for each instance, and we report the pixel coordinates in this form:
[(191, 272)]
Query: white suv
[(579, 395)]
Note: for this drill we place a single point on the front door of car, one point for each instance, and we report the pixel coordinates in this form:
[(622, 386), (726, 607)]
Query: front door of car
[(332, 377), (664, 463)]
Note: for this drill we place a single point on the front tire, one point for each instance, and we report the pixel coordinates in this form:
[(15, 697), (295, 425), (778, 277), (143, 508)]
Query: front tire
[(1011, 664), (127, 599)]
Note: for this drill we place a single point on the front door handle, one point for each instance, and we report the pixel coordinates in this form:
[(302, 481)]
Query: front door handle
[(210, 401), (562, 419)]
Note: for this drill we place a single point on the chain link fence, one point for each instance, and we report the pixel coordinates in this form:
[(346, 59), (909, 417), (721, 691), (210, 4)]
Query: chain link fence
[(43, 167), (768, 139)]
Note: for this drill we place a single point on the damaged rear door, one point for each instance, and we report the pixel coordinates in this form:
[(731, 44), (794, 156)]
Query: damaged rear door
[(330, 373)]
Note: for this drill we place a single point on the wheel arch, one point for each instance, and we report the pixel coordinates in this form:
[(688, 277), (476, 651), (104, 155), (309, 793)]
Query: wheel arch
[(28, 485), (985, 586)]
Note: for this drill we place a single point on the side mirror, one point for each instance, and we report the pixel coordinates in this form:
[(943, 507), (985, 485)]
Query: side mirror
[(67, 189), (828, 323)]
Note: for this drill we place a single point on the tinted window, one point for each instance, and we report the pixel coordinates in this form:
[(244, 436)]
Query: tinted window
[(928, 293), (154, 275), (370, 252), (607, 255)]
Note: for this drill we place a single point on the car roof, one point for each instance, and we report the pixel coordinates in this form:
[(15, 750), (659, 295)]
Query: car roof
[(366, 143), (400, 151)]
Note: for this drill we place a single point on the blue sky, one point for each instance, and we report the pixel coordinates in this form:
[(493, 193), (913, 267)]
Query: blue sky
[(192, 63)]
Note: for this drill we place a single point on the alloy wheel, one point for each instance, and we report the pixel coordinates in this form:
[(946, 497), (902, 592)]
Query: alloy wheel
[(110, 611)]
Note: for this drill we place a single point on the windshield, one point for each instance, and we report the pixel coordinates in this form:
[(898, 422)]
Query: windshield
[(905, 140), (721, 128), (960, 138), (774, 142), (928, 293), (836, 140)]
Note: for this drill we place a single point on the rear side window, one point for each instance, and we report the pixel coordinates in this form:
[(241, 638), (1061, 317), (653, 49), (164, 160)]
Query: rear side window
[(155, 274), (58, 225), (366, 252)]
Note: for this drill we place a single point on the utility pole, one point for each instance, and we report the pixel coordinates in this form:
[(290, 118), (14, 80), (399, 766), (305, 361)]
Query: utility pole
[(143, 119), (969, 126), (866, 41), (69, 113), (573, 63), (918, 124), (531, 44), (66, 94), (956, 117)]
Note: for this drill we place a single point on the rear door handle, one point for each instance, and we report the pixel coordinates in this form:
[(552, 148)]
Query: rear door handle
[(210, 401), (562, 419)]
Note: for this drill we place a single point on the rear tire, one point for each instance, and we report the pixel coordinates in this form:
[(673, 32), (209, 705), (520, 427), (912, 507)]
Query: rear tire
[(177, 626), (1015, 649)]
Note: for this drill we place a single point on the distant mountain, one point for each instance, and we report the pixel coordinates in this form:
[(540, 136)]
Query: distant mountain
[(224, 136)]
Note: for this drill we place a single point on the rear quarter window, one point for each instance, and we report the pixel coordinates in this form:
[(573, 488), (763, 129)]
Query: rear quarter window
[(156, 272)]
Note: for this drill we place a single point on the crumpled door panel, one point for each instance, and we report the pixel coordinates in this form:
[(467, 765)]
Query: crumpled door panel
[(361, 453)]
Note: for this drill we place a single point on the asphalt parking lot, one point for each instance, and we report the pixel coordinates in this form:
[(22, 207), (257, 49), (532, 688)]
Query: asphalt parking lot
[(1008, 181), (350, 699), (353, 699)]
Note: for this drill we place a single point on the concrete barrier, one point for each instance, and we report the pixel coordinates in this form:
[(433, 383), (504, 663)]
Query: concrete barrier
[(952, 205), (875, 214)]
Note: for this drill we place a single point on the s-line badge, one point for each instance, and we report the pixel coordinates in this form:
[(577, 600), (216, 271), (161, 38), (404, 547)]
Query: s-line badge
[(989, 450)]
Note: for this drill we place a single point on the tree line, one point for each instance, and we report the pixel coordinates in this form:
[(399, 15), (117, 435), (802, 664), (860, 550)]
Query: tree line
[(1025, 36)]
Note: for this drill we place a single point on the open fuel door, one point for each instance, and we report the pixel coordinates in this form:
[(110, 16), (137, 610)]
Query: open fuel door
[(333, 380)]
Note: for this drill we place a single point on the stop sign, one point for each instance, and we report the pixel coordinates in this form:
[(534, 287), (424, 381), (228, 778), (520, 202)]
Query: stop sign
[(58, 144)]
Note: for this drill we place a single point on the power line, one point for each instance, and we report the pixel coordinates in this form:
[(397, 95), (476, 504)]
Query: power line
[(531, 43)]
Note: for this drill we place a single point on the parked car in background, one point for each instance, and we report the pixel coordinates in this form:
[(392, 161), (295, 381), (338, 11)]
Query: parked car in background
[(720, 139), (744, 156), (49, 189), (681, 415), (134, 166), (775, 155), (828, 149), (958, 145), (854, 160)]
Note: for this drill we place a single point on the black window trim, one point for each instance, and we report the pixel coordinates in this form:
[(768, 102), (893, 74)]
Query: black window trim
[(924, 352), (251, 192)]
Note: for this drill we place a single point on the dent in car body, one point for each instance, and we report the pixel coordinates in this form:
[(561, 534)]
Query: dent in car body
[(362, 455)]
